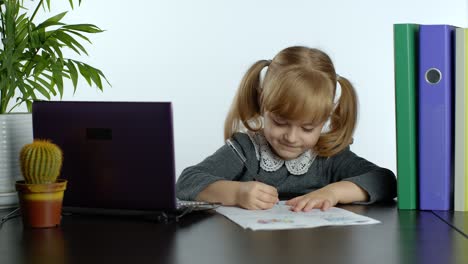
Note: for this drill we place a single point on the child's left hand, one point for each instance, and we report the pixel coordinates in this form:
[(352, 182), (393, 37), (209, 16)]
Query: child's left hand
[(323, 199)]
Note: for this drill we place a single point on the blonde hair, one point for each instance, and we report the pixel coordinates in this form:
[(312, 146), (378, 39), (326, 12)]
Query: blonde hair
[(299, 84)]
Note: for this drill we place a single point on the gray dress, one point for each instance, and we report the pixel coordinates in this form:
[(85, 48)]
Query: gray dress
[(380, 183)]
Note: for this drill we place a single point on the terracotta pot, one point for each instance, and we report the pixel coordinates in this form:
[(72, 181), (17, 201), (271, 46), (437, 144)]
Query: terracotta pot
[(41, 204)]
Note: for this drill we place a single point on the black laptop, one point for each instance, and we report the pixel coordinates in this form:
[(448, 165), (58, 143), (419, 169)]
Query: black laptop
[(118, 156)]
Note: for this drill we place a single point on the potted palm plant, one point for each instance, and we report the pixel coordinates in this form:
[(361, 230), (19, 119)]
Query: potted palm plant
[(33, 66)]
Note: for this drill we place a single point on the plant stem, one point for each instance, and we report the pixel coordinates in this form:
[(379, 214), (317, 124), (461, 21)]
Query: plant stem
[(35, 11), (3, 25), (3, 99), (13, 107)]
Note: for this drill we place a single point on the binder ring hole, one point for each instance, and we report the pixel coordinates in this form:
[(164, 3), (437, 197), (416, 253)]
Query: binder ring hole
[(433, 76)]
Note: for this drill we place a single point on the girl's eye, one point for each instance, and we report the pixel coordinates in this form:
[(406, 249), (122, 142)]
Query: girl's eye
[(308, 130), (279, 122)]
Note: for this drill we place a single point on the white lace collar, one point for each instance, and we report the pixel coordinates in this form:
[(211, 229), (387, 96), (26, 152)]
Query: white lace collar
[(269, 161)]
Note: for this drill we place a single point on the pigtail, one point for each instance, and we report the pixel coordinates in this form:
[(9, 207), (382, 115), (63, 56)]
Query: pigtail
[(245, 108), (342, 122)]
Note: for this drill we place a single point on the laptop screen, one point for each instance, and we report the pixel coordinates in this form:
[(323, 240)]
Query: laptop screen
[(117, 155)]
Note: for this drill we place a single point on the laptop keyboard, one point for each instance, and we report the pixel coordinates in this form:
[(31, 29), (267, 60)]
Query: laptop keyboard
[(196, 205)]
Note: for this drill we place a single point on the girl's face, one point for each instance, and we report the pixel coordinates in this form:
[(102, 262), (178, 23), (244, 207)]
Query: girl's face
[(290, 138)]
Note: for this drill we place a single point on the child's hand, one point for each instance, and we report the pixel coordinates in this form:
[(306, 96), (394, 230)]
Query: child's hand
[(254, 195), (323, 199)]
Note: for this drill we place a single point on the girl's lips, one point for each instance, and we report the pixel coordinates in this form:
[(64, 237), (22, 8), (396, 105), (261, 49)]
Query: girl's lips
[(289, 146)]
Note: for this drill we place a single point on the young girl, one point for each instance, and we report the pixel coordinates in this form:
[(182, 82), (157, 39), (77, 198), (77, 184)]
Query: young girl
[(277, 124)]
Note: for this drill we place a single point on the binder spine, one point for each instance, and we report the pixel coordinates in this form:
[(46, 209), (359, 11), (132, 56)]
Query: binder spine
[(405, 52), (461, 116), (435, 117)]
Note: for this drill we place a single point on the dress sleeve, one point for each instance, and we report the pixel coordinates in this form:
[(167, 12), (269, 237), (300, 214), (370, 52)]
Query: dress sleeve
[(379, 183), (222, 165)]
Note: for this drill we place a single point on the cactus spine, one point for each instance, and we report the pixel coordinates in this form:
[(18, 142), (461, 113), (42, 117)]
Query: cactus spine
[(41, 162)]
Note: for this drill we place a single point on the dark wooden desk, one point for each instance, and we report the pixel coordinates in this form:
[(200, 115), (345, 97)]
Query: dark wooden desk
[(403, 237), (458, 220)]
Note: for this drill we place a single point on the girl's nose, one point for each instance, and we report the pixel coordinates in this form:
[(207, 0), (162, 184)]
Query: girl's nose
[(291, 135)]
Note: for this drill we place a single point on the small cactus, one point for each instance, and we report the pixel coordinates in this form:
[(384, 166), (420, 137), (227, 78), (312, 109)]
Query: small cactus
[(41, 162)]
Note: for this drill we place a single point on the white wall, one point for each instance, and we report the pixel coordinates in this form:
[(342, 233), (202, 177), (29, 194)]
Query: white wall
[(194, 54)]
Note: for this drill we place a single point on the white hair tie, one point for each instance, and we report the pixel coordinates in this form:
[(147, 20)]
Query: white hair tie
[(337, 92), (262, 76), (336, 99)]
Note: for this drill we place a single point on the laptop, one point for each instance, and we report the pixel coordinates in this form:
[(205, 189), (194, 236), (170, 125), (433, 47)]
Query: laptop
[(118, 156)]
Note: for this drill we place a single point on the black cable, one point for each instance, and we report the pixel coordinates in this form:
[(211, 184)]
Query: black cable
[(10, 215)]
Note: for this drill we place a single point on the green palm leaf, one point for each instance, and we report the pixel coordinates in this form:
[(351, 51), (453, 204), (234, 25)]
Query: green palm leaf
[(39, 88), (53, 21), (73, 74), (87, 28), (32, 61)]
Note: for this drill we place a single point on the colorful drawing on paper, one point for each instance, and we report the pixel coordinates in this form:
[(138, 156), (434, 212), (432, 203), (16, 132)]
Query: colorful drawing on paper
[(344, 219), (275, 221), (336, 219)]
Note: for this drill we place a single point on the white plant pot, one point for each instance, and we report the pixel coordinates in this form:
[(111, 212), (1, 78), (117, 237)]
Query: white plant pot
[(15, 132)]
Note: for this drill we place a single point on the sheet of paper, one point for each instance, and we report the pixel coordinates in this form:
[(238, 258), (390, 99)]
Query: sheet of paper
[(281, 217)]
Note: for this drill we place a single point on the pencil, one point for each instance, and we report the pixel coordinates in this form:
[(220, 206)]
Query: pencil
[(241, 157)]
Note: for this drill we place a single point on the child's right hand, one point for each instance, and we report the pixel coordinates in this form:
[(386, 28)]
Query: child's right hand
[(254, 195)]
